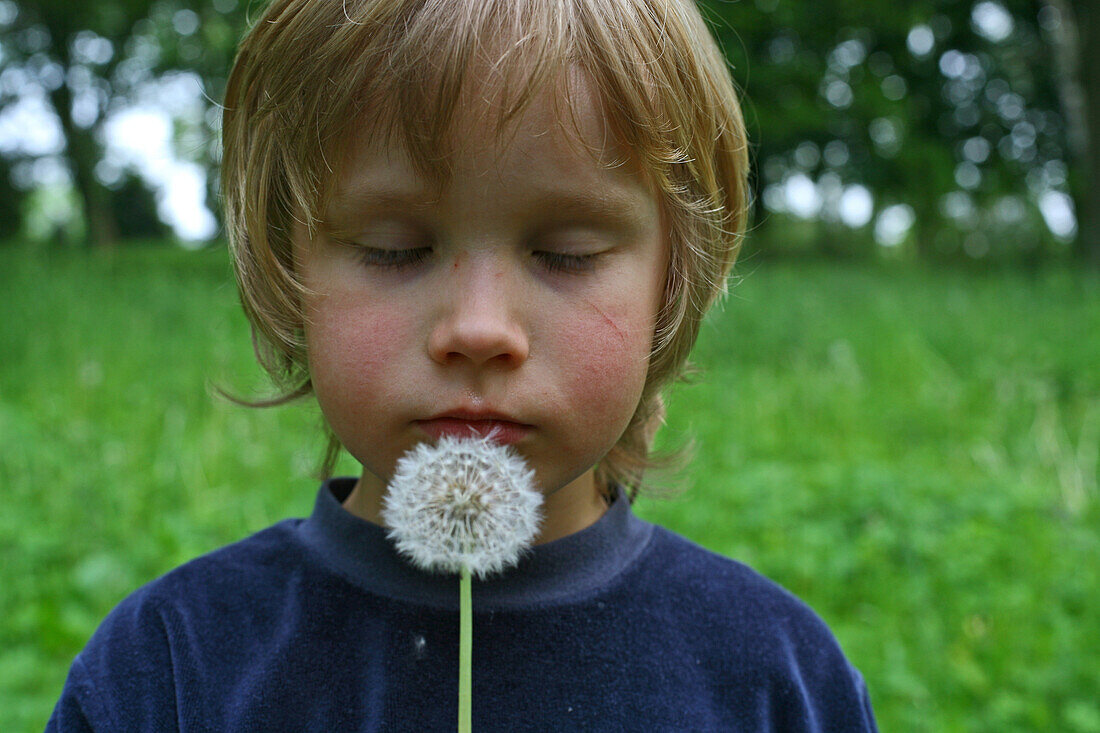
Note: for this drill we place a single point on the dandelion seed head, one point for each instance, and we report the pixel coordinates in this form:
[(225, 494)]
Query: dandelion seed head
[(462, 502)]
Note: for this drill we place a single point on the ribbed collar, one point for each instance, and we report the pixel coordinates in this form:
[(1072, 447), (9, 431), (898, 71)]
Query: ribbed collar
[(561, 571)]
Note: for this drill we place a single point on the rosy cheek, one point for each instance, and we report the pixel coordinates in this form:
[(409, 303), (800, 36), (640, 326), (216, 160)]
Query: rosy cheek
[(610, 361), (355, 351)]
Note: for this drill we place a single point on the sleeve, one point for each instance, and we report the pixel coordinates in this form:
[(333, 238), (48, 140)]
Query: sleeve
[(865, 713), (818, 688), (71, 714), (123, 680)]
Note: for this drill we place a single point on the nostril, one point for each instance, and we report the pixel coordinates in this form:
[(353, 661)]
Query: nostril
[(499, 350), (494, 342)]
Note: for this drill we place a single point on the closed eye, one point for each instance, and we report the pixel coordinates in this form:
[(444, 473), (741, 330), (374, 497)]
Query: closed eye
[(393, 258), (559, 262)]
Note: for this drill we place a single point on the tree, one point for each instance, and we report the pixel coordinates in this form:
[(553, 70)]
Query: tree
[(943, 107), (1077, 40), (88, 58), (11, 202), (46, 32)]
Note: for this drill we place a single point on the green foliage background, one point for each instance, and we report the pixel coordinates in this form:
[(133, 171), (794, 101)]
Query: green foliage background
[(912, 452)]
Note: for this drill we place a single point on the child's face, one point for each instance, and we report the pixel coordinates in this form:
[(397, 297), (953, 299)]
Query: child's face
[(496, 305)]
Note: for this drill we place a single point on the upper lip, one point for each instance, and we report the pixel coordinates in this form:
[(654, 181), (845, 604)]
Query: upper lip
[(475, 415)]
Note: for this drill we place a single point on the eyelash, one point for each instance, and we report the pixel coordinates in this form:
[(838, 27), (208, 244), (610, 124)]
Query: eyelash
[(393, 259), (558, 262), (396, 259)]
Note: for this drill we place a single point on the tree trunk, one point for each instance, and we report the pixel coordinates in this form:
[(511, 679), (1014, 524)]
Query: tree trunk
[(1089, 20), (83, 153), (1081, 27)]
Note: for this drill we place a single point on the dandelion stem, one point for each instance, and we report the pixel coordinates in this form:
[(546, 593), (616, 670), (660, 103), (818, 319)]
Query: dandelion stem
[(465, 652)]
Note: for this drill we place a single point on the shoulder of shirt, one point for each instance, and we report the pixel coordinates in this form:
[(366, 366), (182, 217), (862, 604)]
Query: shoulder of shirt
[(128, 663), (249, 567), (720, 587), (733, 615), (690, 563)]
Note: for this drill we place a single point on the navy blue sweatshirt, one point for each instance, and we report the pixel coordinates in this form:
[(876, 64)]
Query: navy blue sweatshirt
[(318, 625)]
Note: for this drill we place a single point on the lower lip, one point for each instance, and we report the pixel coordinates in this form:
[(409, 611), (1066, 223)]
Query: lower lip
[(506, 432)]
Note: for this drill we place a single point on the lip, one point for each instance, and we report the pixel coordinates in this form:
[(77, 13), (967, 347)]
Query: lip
[(464, 424)]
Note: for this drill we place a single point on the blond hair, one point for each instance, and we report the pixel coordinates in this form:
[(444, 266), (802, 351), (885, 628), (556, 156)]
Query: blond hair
[(312, 72)]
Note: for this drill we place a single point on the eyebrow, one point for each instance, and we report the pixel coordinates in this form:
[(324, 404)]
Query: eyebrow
[(614, 207)]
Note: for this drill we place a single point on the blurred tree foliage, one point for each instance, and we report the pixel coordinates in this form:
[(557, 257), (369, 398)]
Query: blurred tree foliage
[(90, 59), (963, 119), (957, 110)]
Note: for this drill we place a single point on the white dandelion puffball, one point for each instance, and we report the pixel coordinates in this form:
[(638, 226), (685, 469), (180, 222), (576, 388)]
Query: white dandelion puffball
[(463, 502)]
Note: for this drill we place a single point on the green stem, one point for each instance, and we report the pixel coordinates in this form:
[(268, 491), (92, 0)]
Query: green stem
[(465, 652)]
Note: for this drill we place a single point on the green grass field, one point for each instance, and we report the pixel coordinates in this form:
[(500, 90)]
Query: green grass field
[(914, 453)]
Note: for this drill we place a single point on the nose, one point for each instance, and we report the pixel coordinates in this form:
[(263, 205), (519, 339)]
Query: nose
[(480, 321)]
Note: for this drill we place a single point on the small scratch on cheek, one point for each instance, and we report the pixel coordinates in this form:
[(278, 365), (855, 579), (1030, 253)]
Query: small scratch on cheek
[(614, 327)]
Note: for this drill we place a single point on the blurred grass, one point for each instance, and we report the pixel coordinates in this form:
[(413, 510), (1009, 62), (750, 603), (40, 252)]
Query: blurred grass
[(914, 453)]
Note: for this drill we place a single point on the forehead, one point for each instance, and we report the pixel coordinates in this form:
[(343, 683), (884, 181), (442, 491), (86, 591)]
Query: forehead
[(559, 143)]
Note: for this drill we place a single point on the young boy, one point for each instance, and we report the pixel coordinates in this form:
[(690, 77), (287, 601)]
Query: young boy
[(455, 216)]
